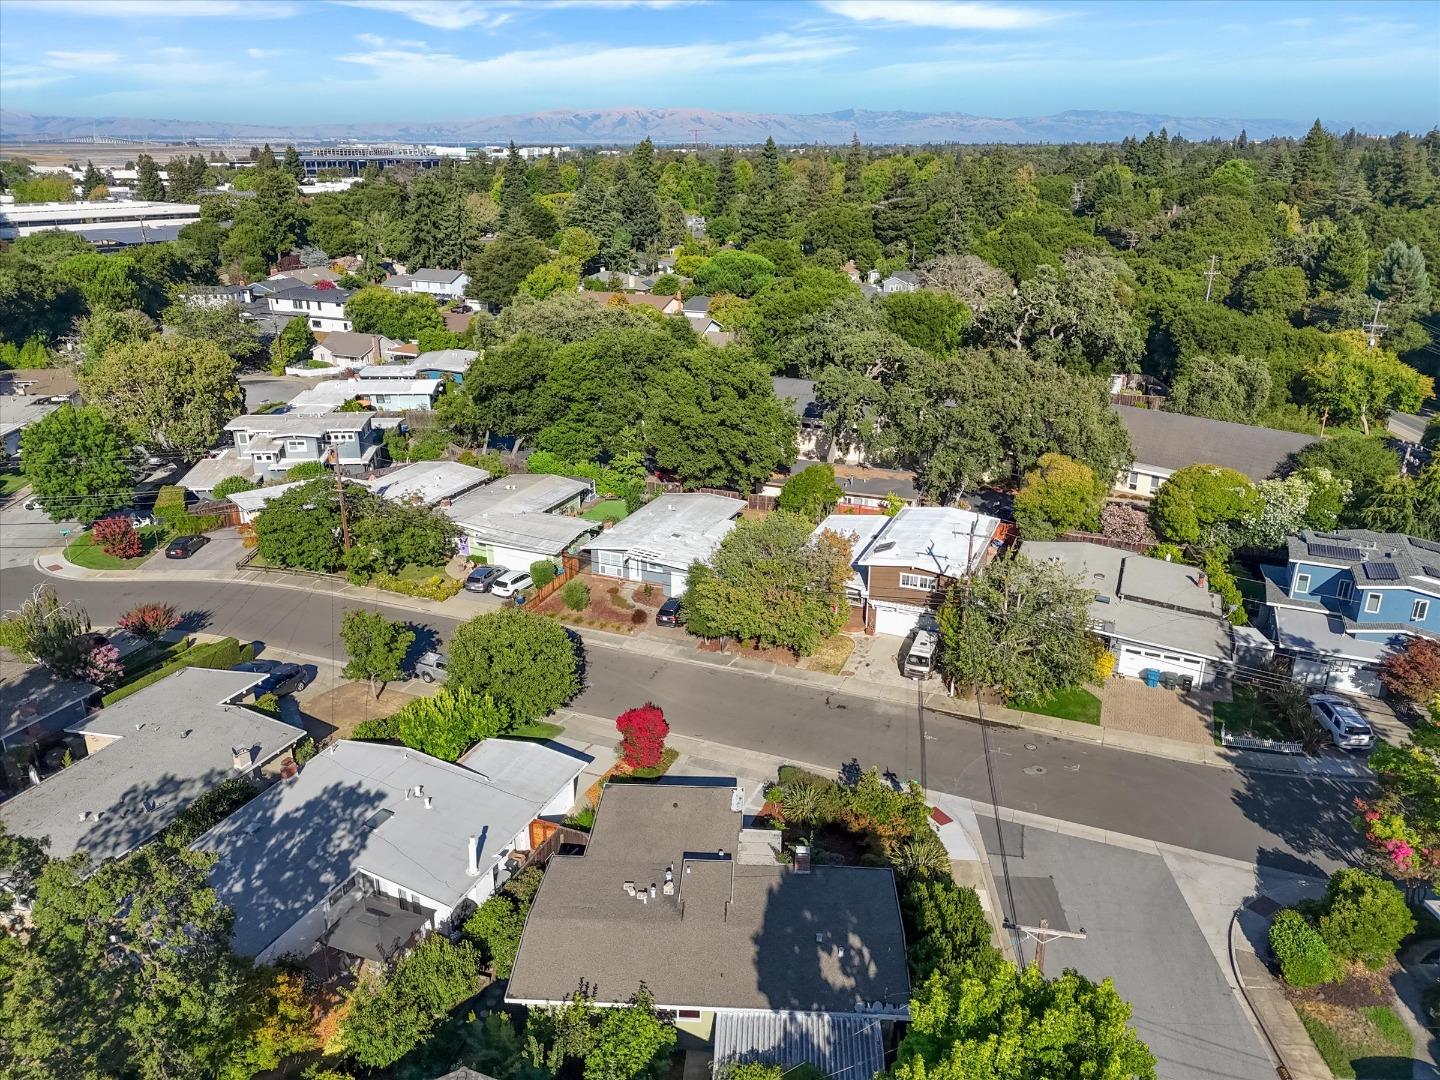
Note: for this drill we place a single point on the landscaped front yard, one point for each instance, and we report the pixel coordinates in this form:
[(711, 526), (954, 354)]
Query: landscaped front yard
[(10, 482), (84, 551), (1076, 704), (1247, 715)]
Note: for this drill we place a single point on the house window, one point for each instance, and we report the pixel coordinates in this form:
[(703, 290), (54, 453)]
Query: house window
[(917, 581), (1132, 481), (1372, 603), (1345, 589), (1302, 583), (295, 444), (1419, 610), (315, 324)]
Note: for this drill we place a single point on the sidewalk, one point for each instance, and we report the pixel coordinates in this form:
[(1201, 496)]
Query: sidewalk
[(870, 680)]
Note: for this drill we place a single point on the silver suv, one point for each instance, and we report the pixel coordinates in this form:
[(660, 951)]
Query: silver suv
[(430, 667), (1348, 729)]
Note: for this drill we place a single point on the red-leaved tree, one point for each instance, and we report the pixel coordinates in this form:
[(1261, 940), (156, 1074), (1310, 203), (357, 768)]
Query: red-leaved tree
[(148, 621), (117, 537), (1414, 671), (642, 736)]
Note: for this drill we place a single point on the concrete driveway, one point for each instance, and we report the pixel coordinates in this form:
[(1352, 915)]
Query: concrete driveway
[(1141, 913), (215, 559), (260, 389)]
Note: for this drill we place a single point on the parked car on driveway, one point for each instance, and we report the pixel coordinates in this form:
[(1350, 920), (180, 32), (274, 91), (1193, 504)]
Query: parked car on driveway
[(669, 613), (431, 667), (1348, 729), (511, 582), (482, 577), (182, 547), (280, 678)]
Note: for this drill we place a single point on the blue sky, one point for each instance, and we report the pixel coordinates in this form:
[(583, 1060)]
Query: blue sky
[(276, 61)]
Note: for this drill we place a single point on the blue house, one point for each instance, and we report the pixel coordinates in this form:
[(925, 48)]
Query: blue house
[(1345, 600)]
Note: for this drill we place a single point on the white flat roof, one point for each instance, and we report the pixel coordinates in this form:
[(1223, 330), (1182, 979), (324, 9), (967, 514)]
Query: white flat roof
[(428, 481), (673, 530), (944, 539)]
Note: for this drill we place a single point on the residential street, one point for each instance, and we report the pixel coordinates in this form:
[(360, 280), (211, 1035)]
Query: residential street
[(1284, 821)]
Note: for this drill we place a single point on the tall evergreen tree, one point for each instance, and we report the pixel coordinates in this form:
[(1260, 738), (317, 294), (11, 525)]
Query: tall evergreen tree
[(1402, 281), (436, 238), (1314, 165), (147, 183), (550, 182), (266, 158), (514, 191), (764, 217), (854, 166), (726, 187), (640, 200), (92, 179), (292, 165)]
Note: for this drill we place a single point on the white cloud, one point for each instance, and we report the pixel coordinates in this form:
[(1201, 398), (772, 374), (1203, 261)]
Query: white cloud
[(164, 9), (264, 54), (28, 77), (441, 14), (941, 15), (80, 60), (578, 67)]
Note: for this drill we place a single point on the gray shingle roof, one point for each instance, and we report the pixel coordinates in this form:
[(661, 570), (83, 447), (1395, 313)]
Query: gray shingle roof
[(172, 743), (1389, 558), (281, 853), (802, 393), (733, 935), (1174, 440)]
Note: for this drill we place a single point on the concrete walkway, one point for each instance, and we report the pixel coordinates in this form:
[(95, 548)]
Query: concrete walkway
[(869, 678)]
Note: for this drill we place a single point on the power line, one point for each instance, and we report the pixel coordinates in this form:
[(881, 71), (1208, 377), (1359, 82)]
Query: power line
[(1375, 326)]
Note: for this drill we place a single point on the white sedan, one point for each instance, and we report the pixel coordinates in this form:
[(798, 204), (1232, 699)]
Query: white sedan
[(1348, 729)]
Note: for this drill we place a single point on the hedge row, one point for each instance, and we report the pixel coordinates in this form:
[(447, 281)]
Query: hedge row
[(225, 653)]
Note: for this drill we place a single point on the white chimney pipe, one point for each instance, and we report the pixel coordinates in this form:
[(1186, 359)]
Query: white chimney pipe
[(429, 802), (472, 852)]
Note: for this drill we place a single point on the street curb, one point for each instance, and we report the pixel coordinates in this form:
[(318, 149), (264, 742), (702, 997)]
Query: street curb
[(934, 700)]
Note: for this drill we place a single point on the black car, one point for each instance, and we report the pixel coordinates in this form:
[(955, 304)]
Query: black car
[(182, 547), (482, 577), (280, 678), (669, 613)]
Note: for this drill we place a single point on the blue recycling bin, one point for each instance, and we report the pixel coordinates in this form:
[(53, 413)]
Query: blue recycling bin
[(1151, 676)]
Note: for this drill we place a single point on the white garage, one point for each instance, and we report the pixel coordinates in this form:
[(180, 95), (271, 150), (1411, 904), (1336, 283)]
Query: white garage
[(1132, 660), (896, 619), (1340, 676)]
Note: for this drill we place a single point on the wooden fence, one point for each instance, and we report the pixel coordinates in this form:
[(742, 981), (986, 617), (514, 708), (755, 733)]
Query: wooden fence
[(754, 502), (571, 565), (1140, 401), (1105, 541)]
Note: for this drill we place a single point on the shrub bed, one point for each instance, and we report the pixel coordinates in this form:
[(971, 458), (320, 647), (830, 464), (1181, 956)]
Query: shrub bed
[(225, 653), (437, 587)]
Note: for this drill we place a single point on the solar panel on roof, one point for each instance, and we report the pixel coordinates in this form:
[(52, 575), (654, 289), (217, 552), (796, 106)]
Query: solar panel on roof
[(1431, 571), (1334, 551), (1382, 572), (1424, 544)]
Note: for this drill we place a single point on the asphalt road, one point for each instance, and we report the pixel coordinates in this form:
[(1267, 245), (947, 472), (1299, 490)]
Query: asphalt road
[(1294, 823)]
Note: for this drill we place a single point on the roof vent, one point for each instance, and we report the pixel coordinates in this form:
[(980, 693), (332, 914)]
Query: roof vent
[(242, 756), (429, 802), (629, 888)]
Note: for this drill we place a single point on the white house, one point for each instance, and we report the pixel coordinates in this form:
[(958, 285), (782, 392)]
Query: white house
[(427, 482), (449, 284), (383, 395), (660, 541), (901, 281), (372, 844), (522, 518), (323, 309), (1153, 614)]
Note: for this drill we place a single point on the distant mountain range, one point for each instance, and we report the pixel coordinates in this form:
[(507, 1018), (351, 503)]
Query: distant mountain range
[(625, 126)]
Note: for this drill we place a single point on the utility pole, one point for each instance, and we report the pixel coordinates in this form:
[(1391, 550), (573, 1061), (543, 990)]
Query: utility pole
[(1375, 326), (340, 487), (695, 137), (1042, 935), (1210, 276)]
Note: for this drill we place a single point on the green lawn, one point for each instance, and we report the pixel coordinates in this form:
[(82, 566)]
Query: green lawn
[(83, 551), (1074, 704), (613, 509), (1247, 715), (10, 482), (1374, 1037), (411, 572), (537, 731)]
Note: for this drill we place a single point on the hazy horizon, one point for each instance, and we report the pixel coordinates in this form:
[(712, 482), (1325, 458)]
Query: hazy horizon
[(282, 62)]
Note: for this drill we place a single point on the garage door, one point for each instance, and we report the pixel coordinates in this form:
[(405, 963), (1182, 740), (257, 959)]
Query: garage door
[(897, 621), (1133, 660)]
